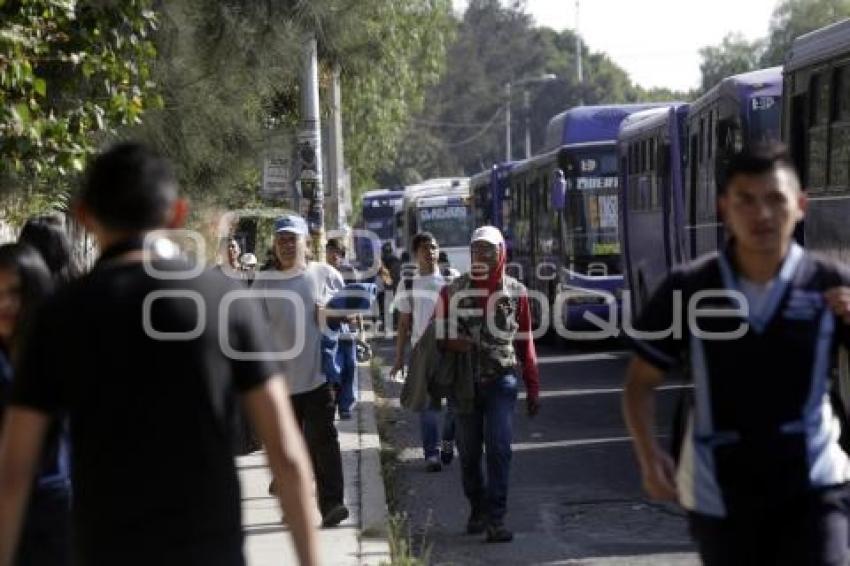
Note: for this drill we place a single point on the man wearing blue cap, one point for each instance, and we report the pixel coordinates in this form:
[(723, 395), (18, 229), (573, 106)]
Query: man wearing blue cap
[(296, 330)]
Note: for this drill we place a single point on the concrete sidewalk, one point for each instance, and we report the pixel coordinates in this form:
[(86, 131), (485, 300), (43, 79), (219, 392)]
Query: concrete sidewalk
[(362, 538)]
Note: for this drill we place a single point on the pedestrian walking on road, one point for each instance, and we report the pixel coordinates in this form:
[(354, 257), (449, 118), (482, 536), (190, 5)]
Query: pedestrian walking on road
[(296, 328), (493, 322), (416, 298), (760, 470), (148, 391)]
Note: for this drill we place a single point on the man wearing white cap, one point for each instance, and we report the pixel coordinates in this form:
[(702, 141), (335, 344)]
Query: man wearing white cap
[(491, 311), (295, 329)]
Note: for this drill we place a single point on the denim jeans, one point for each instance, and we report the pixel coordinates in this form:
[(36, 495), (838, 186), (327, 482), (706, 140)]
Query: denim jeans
[(490, 427), (429, 423), (346, 359)]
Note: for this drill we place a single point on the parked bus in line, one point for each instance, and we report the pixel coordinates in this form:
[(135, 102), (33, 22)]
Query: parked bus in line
[(565, 216), (378, 215), (491, 198), (442, 207), (816, 127), (652, 198), (738, 111)]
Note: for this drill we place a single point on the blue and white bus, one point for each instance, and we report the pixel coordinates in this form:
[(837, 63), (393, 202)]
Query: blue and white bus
[(738, 111), (491, 198), (652, 198), (378, 213)]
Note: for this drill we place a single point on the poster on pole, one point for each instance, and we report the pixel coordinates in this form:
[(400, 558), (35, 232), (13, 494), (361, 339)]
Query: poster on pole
[(276, 177)]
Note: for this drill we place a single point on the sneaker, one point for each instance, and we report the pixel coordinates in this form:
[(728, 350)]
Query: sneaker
[(498, 533), (336, 515), (272, 488), (345, 415), (447, 452), (476, 524), (432, 464)]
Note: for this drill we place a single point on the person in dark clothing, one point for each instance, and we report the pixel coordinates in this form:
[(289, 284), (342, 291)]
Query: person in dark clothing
[(25, 282), (761, 473), (148, 391), (48, 237)]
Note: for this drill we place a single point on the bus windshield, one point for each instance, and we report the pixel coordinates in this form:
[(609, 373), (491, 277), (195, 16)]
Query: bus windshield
[(380, 220), (765, 118), (591, 213), (451, 225)]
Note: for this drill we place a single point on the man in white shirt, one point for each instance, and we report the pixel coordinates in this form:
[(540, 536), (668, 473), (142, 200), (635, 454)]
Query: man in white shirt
[(415, 300), (295, 328)]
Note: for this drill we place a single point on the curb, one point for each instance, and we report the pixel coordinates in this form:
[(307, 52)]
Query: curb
[(374, 514)]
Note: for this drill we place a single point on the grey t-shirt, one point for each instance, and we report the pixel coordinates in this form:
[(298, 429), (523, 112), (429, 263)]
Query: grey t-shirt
[(293, 323)]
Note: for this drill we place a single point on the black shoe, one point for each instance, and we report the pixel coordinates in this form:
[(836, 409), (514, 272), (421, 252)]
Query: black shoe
[(345, 415), (272, 488), (447, 452), (335, 516), (432, 464), (498, 533), (476, 524)]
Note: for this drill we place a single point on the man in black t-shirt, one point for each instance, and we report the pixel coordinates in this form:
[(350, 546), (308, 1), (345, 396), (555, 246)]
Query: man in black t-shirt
[(760, 470), (148, 373)]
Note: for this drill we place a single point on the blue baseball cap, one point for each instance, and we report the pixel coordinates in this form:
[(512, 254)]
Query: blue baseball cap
[(290, 223)]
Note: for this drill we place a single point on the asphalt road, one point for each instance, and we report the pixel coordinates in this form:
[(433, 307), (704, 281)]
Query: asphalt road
[(575, 494)]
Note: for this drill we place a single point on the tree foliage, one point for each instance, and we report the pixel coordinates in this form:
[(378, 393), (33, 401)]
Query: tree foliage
[(230, 77), (69, 72), (461, 129), (402, 52), (733, 56), (793, 18), (790, 20)]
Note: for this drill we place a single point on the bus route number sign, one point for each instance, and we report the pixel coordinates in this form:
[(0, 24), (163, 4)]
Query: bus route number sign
[(763, 102), (587, 165)]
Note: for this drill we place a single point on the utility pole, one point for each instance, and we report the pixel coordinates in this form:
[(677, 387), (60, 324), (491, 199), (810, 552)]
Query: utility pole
[(507, 121), (336, 208), (526, 106), (310, 147)]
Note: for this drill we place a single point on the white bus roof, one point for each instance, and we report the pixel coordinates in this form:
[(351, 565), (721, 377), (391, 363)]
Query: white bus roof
[(443, 200), (454, 186), (384, 193)]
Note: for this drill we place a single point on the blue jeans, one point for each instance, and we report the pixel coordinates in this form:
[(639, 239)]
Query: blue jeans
[(346, 359), (429, 423), (489, 426)]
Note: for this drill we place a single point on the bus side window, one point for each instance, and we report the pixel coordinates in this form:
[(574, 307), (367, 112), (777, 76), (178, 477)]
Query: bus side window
[(839, 138), (818, 119)]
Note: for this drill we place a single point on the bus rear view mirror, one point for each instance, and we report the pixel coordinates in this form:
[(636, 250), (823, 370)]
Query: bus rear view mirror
[(558, 190)]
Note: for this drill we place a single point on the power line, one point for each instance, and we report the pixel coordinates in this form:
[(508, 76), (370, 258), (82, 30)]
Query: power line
[(479, 133)]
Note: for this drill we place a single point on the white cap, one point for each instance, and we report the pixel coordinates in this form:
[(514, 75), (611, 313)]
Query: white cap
[(489, 234), (248, 259)]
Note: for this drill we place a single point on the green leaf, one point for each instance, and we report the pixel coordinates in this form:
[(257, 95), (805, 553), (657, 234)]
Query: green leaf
[(21, 112), (40, 86)]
